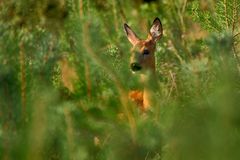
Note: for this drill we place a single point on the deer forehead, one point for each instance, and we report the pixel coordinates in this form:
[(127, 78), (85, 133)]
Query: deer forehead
[(144, 44)]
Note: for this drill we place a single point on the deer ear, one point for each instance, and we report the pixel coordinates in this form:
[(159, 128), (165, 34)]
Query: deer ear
[(132, 37), (156, 30)]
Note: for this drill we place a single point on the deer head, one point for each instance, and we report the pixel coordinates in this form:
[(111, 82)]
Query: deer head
[(142, 52)]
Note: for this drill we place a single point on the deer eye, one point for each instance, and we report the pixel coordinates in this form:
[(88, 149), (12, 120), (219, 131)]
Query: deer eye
[(145, 52)]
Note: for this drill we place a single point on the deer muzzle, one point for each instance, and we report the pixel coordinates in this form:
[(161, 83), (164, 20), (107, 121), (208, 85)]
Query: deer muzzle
[(135, 67)]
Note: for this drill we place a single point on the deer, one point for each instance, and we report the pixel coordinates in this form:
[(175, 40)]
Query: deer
[(142, 61)]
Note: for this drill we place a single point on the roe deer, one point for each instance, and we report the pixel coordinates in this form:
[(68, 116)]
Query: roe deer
[(143, 61)]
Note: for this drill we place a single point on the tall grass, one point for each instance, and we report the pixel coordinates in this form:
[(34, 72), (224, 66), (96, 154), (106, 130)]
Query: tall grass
[(65, 77)]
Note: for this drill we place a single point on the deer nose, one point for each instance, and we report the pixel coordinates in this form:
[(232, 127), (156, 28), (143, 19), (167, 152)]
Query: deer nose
[(135, 66)]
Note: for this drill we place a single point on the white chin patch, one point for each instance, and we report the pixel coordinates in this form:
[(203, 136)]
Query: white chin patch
[(136, 72)]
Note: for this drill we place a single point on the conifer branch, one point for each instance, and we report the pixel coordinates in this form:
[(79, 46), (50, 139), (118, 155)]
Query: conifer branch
[(225, 12), (234, 16), (115, 78)]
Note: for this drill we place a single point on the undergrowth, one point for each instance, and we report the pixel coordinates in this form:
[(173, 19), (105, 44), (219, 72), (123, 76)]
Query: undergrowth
[(64, 79)]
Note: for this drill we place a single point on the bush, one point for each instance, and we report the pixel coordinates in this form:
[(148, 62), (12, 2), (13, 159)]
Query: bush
[(64, 78)]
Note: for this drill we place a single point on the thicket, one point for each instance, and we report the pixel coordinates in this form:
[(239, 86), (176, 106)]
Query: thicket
[(64, 78)]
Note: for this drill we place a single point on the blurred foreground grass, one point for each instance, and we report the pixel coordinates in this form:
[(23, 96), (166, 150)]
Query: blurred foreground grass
[(64, 67)]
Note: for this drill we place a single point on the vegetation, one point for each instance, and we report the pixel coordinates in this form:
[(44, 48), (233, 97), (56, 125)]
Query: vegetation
[(64, 79)]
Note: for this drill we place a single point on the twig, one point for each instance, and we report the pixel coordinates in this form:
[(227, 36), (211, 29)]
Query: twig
[(86, 65), (23, 78), (81, 8), (88, 78), (236, 35), (173, 84), (234, 15), (175, 52), (184, 6), (225, 12), (233, 29), (115, 15), (121, 11)]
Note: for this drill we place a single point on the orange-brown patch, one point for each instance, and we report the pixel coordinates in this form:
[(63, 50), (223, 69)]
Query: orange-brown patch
[(137, 97)]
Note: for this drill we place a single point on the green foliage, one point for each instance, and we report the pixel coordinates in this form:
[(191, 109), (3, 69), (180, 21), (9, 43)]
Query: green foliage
[(64, 66)]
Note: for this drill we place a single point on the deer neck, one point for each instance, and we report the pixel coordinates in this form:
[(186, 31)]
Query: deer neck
[(148, 79)]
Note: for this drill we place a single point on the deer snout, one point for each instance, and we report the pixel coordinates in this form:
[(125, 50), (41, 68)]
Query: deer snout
[(135, 67)]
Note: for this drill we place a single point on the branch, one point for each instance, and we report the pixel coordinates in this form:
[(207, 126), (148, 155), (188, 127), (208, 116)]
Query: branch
[(23, 77), (225, 12)]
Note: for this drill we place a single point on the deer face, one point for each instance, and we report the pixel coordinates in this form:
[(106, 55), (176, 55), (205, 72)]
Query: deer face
[(142, 53)]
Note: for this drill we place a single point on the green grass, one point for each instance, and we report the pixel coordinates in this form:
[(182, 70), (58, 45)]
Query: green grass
[(64, 78)]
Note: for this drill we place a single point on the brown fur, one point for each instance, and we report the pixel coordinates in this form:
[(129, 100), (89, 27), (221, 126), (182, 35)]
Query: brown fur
[(137, 97)]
